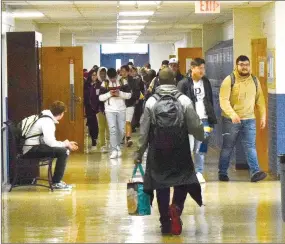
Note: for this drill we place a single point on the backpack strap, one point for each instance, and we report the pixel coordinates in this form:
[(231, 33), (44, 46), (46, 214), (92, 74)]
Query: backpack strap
[(233, 80), (177, 95), (255, 82), (40, 116), (156, 97)]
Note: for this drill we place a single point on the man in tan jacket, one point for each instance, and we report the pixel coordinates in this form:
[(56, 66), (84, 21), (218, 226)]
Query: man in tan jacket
[(240, 93)]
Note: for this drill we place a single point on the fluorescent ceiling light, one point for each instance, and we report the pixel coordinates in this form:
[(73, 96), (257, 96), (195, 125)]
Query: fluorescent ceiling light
[(133, 21), (127, 42), (131, 27), (136, 13), (27, 14), (125, 37), (129, 32)]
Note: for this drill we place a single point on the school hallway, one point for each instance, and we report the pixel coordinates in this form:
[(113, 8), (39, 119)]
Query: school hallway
[(95, 210)]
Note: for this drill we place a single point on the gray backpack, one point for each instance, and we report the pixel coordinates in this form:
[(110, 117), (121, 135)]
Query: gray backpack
[(168, 122)]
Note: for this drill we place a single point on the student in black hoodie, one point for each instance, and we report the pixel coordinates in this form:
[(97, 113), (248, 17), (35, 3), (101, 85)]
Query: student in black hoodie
[(139, 103), (130, 103)]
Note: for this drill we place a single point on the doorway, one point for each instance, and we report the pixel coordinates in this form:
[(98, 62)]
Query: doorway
[(62, 79), (185, 54), (259, 69)]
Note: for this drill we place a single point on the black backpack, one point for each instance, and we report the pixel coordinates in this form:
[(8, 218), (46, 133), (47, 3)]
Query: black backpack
[(21, 130), (168, 122)]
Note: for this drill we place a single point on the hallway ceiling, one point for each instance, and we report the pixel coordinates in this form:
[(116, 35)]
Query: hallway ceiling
[(101, 21)]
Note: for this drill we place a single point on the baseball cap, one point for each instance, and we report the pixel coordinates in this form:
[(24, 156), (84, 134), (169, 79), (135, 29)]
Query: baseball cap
[(173, 61)]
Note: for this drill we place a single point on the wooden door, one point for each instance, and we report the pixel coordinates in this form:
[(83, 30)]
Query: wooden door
[(259, 69), (62, 79), (188, 53)]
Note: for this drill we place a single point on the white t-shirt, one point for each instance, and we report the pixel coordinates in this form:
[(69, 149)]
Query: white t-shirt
[(199, 92)]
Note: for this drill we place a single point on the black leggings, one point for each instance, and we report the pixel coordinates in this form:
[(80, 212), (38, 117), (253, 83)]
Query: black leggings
[(92, 124), (163, 199)]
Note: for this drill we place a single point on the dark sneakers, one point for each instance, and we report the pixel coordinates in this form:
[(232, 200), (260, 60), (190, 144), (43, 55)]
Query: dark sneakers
[(224, 178), (255, 178), (176, 223), (166, 227), (258, 176), (129, 142)]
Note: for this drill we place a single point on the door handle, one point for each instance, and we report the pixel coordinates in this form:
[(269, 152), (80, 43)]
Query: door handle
[(77, 99)]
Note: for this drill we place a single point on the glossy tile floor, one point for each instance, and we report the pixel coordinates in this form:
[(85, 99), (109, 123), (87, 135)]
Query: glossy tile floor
[(95, 210)]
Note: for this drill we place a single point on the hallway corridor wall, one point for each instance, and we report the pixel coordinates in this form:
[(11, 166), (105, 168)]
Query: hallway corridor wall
[(8, 24)]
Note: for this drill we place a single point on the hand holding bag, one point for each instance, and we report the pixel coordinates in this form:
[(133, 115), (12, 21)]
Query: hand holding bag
[(138, 201)]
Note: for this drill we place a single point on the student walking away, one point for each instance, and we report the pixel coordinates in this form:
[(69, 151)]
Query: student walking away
[(198, 88), (147, 66), (240, 93), (168, 118), (113, 94), (104, 136), (92, 104), (130, 103), (41, 142), (152, 83), (164, 64), (174, 66), (139, 103)]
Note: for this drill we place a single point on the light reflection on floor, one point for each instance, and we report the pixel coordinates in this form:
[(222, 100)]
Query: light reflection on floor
[(95, 210)]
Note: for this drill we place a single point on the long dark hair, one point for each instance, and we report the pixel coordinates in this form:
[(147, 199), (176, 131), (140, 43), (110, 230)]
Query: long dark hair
[(90, 73)]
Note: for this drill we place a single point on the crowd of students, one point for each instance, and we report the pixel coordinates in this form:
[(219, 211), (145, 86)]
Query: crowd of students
[(114, 101), (176, 117)]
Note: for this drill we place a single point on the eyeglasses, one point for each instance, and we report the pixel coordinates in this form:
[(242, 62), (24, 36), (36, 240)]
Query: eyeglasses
[(243, 65)]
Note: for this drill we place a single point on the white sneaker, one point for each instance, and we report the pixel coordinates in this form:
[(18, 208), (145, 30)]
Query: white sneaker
[(61, 186), (119, 151), (114, 155), (200, 178), (104, 149), (93, 148)]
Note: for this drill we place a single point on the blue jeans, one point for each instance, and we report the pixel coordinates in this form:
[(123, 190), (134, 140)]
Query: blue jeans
[(199, 158), (247, 128)]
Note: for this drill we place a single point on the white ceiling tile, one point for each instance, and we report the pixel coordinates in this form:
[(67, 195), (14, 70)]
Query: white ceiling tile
[(98, 19)]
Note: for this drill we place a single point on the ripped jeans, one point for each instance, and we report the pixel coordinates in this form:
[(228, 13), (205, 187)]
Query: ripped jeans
[(247, 128)]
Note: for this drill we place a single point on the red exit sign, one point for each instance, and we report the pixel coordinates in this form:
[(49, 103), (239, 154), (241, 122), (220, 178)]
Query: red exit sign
[(207, 7)]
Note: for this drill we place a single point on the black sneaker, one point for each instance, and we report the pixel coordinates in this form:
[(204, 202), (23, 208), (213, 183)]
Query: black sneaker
[(94, 143), (129, 142), (258, 176), (224, 178), (165, 227)]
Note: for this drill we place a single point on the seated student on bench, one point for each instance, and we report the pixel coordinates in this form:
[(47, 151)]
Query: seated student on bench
[(46, 145)]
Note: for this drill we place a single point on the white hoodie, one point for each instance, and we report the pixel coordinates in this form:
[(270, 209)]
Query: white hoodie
[(114, 104), (98, 73), (45, 126)]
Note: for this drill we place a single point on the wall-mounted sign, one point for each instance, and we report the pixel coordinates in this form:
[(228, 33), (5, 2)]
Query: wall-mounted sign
[(188, 64), (261, 68), (271, 83), (207, 7)]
